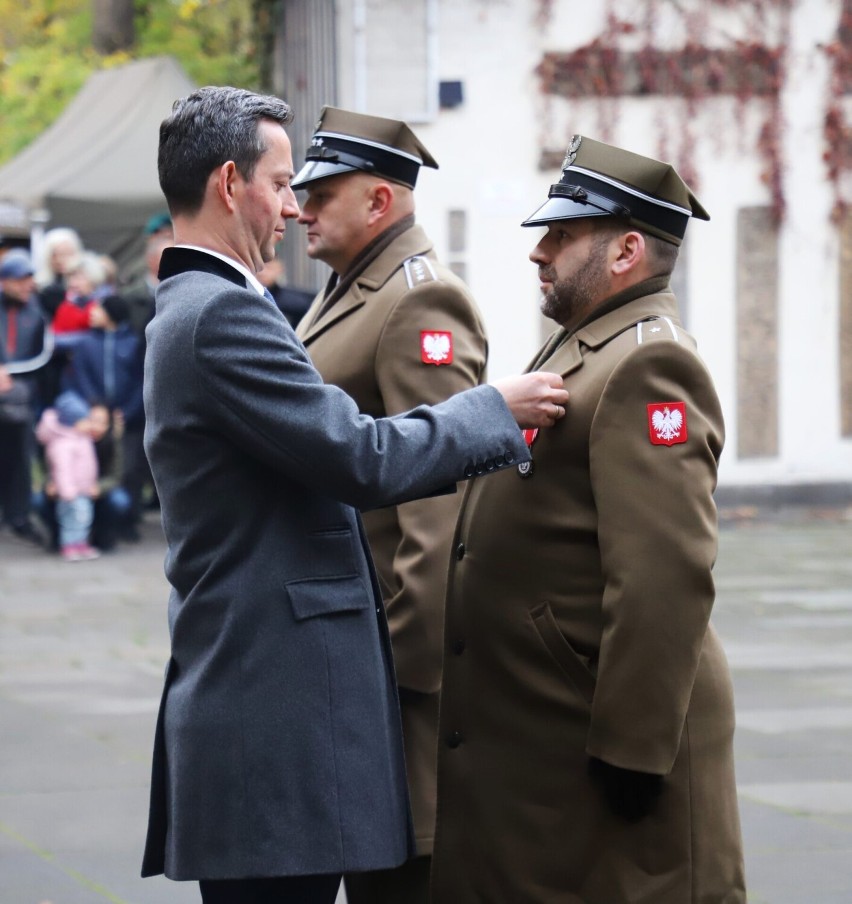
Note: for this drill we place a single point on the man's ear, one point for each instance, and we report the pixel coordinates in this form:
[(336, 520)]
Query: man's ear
[(631, 253), (379, 202), (225, 178)]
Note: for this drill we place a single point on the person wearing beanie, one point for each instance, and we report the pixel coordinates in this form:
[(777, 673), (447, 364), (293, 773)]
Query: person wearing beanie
[(25, 348), (66, 434), (107, 365)]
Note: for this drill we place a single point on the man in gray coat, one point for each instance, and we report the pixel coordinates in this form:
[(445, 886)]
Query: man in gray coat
[(278, 758)]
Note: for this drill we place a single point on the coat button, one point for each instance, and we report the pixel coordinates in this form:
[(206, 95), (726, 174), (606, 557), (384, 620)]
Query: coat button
[(454, 738), (458, 647), (509, 458), (460, 551), (468, 470), (489, 464)]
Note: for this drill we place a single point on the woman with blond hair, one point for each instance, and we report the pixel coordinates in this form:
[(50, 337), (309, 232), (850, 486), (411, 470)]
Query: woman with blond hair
[(60, 251)]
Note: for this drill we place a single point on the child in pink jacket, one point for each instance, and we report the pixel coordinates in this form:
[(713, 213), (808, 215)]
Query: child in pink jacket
[(66, 434)]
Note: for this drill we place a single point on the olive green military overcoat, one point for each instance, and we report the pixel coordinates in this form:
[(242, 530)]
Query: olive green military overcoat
[(374, 343), (577, 626)]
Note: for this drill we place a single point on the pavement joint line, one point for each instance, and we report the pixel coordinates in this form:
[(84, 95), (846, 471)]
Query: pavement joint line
[(50, 857)]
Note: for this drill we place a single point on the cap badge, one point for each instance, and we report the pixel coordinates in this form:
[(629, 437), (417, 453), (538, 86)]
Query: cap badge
[(667, 423), (571, 153), (436, 347)]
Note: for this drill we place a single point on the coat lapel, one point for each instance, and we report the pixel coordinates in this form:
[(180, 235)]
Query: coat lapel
[(350, 302)]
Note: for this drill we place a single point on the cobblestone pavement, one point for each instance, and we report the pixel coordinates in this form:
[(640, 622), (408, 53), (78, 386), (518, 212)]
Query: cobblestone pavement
[(82, 650)]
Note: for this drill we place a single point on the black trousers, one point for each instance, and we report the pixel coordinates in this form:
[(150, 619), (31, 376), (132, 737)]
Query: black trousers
[(284, 890), (16, 443), (406, 884)]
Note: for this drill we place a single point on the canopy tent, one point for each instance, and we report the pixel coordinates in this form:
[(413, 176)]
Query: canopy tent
[(95, 168)]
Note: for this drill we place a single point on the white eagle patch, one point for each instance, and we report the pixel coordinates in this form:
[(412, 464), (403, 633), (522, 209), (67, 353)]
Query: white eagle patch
[(667, 423), (436, 347)]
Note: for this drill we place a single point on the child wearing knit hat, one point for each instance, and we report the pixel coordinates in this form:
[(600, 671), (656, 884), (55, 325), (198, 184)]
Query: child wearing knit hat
[(66, 434)]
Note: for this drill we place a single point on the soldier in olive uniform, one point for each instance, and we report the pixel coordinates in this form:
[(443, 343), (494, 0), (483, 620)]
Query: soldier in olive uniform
[(394, 328), (587, 718)]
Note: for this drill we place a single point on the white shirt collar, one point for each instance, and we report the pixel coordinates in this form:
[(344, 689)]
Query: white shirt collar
[(251, 279)]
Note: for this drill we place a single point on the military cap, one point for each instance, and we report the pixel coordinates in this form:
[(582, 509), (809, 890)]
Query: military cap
[(344, 142), (599, 180)]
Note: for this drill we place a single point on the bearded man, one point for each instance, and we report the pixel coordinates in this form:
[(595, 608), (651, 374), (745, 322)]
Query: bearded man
[(587, 714)]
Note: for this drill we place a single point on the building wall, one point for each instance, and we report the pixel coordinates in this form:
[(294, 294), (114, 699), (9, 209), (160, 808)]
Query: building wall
[(490, 148)]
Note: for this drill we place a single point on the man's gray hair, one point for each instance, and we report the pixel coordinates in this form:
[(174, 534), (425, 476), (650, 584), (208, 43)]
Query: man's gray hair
[(205, 130)]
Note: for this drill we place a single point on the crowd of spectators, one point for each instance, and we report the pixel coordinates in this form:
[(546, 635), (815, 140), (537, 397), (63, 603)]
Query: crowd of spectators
[(73, 472)]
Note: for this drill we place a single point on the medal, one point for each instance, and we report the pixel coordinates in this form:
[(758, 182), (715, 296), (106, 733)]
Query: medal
[(525, 468)]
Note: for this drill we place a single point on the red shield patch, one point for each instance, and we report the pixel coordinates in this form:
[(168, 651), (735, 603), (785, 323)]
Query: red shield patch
[(667, 423), (436, 347)]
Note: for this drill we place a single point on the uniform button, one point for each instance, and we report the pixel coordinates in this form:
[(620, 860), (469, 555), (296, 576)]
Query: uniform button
[(454, 738), (460, 551), (458, 647)]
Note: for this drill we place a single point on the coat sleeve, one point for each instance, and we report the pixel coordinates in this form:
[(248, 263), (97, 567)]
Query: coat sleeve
[(416, 610), (658, 537), (271, 401)]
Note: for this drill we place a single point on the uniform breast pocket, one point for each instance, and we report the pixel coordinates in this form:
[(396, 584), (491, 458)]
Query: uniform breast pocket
[(312, 597)]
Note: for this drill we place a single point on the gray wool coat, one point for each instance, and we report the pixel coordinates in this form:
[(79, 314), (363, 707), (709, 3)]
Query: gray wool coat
[(278, 748)]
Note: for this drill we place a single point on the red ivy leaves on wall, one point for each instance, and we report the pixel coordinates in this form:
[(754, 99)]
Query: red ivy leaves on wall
[(745, 70), (838, 135)]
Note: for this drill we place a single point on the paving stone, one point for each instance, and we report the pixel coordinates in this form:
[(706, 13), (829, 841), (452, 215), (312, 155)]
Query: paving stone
[(83, 647)]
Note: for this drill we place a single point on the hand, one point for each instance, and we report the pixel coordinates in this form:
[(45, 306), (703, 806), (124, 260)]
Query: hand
[(5, 380), (630, 794), (97, 317), (535, 400)]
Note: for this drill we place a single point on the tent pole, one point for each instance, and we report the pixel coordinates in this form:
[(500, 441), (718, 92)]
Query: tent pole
[(39, 218)]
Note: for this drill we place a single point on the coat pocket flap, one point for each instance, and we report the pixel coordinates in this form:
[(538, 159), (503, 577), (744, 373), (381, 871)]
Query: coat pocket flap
[(563, 652), (325, 596)]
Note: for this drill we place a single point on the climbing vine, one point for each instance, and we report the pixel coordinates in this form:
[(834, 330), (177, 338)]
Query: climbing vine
[(838, 134), (633, 57)]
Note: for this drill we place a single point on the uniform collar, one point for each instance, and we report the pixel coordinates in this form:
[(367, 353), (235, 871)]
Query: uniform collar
[(646, 300), (610, 317), (183, 258), (410, 242), (335, 304)]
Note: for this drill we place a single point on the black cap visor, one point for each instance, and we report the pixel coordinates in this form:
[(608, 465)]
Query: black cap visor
[(568, 202), (339, 155), (319, 169), (583, 199)]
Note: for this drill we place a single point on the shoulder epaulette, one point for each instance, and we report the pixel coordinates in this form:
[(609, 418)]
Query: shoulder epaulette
[(644, 330), (419, 269)]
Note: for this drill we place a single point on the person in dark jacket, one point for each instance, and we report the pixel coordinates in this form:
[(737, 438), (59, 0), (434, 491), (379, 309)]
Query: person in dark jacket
[(107, 365), (24, 349), (278, 761)]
